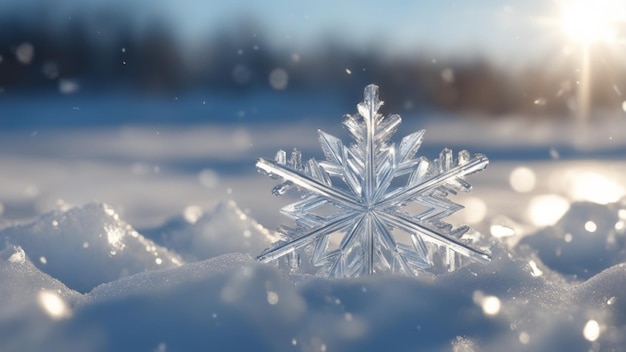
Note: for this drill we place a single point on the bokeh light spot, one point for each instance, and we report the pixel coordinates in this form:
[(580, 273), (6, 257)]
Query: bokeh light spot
[(53, 305), (591, 331), (279, 79), (591, 226), (547, 209), (272, 297), (475, 210), (491, 305), (522, 179)]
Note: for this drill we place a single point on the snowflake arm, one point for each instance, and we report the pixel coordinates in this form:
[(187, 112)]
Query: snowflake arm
[(407, 224), (305, 181), (363, 184), (478, 163), (287, 247)]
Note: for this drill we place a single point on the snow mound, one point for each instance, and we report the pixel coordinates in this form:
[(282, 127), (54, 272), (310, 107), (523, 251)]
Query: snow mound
[(227, 229), (229, 303), (87, 246), (233, 302), (605, 291), (23, 284), (588, 239), (149, 282)]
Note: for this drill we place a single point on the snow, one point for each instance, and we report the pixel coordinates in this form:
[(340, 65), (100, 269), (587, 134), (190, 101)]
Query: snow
[(556, 284), (94, 236), (233, 302)]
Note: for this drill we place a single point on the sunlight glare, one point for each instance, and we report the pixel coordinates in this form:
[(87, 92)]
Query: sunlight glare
[(591, 20)]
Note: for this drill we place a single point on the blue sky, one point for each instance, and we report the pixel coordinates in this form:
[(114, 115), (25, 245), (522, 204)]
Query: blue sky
[(497, 29)]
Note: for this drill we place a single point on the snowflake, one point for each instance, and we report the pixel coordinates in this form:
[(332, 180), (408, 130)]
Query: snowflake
[(372, 206)]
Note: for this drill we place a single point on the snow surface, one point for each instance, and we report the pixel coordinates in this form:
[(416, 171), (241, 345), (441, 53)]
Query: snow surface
[(143, 238), (230, 302)]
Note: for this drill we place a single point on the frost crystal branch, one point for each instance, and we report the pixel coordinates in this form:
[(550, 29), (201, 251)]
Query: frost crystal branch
[(372, 206)]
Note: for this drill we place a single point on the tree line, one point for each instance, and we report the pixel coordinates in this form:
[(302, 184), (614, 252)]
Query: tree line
[(108, 50)]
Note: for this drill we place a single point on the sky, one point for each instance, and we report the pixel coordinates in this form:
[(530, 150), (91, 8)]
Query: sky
[(504, 31), (499, 29)]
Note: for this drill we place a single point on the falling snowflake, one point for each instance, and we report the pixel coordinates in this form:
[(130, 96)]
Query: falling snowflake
[(372, 206)]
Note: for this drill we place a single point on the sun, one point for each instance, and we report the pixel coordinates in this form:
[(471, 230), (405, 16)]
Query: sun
[(589, 21)]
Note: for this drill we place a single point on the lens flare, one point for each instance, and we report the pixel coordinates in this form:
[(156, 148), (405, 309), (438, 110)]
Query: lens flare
[(592, 20)]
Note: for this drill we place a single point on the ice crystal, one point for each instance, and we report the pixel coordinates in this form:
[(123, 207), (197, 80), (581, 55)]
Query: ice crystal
[(357, 213)]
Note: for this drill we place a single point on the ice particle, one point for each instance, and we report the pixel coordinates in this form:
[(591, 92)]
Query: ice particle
[(611, 300), (501, 231), (361, 191), (18, 257), (348, 71), (534, 269)]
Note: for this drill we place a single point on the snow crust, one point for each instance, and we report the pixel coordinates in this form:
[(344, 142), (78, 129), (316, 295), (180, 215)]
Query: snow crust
[(215, 296)]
